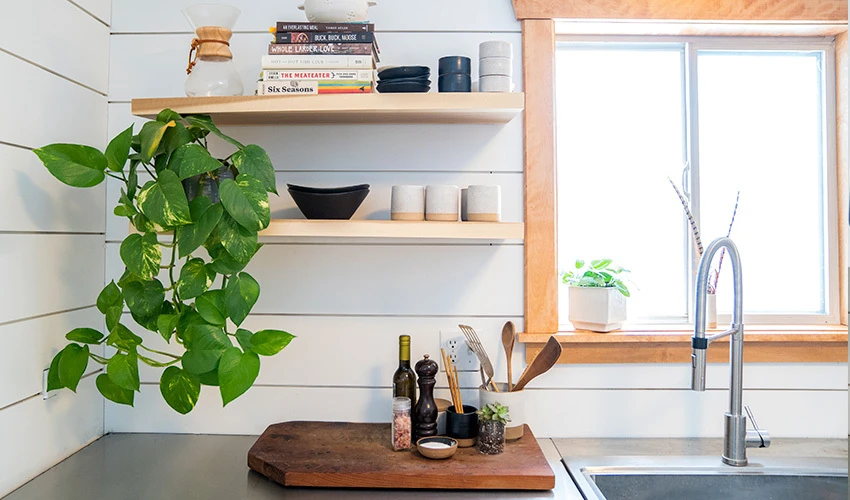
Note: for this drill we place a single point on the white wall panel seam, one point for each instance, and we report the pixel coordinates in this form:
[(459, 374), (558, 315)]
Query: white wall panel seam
[(38, 394), (52, 313), (52, 72), (101, 21)]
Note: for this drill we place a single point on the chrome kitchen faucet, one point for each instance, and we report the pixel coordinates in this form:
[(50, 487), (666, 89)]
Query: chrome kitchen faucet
[(736, 437)]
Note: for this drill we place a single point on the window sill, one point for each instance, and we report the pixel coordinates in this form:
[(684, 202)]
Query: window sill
[(672, 344)]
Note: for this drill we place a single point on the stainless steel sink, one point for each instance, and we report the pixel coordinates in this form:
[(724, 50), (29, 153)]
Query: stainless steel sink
[(707, 478)]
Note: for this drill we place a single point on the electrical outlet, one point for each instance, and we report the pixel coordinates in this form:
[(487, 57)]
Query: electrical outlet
[(454, 343), (44, 393)]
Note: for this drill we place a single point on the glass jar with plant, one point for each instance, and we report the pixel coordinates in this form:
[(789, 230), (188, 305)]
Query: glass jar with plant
[(201, 306), (598, 293), (491, 428)]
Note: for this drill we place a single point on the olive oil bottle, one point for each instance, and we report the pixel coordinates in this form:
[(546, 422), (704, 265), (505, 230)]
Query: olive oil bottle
[(404, 379)]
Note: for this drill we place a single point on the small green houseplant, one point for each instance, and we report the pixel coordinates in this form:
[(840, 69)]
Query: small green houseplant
[(492, 420), (598, 293), (206, 297)]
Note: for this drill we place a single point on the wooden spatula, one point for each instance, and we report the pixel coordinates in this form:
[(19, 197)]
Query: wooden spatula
[(546, 358), (508, 338)]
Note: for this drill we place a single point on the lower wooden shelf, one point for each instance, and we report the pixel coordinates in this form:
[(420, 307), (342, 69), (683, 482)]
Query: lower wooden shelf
[(395, 229)]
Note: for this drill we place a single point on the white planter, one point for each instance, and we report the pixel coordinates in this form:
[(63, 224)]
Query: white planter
[(597, 309)]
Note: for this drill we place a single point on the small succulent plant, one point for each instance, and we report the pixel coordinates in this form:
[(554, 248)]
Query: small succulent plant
[(494, 412)]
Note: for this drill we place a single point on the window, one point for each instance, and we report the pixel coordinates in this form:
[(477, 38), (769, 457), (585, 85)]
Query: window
[(716, 116)]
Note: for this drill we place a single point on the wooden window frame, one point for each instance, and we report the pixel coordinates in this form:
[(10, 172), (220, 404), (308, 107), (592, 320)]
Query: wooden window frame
[(715, 17)]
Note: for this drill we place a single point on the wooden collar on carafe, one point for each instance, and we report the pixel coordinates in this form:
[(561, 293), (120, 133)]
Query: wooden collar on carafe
[(212, 43)]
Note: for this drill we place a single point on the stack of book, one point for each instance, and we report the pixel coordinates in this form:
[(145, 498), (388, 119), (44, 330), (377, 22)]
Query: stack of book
[(320, 58)]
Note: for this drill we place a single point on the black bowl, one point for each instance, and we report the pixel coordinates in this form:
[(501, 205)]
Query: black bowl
[(329, 205), (404, 72), (390, 87), (412, 79), (454, 64), (344, 189)]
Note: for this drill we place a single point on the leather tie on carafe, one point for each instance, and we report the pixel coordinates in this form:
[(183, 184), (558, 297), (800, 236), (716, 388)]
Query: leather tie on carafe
[(211, 42)]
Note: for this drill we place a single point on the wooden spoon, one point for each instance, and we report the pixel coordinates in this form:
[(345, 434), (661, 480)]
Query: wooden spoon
[(546, 358), (508, 339)]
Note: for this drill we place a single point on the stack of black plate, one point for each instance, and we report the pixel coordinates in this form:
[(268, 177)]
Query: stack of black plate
[(404, 79)]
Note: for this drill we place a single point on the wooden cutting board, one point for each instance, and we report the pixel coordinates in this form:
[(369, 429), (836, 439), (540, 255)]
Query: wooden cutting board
[(350, 455)]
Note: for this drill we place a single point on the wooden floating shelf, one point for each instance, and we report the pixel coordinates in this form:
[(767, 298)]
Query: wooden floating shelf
[(462, 107), (395, 229)]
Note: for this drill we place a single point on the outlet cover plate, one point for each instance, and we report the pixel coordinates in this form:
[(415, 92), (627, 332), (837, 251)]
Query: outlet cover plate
[(454, 343)]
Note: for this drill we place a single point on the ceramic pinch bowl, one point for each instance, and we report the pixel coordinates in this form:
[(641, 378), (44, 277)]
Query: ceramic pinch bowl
[(437, 447)]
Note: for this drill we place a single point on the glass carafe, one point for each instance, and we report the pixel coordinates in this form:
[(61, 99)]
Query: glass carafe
[(211, 72)]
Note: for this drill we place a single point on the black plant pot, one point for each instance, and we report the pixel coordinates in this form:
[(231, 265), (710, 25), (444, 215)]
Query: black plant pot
[(206, 184)]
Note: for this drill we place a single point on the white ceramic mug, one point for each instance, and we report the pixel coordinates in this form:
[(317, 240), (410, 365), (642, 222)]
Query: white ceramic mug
[(515, 401), (495, 66), (495, 48), (441, 203), (337, 11), (484, 203), (407, 203), (494, 83)]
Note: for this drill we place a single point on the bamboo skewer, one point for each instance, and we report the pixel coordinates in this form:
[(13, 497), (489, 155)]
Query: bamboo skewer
[(457, 389), (451, 374)]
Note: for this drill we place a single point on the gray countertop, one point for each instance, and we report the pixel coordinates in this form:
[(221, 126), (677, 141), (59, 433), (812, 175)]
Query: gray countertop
[(209, 467)]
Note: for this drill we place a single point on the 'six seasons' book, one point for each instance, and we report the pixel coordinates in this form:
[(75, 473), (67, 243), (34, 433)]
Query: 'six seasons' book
[(324, 37), (296, 87), (300, 26)]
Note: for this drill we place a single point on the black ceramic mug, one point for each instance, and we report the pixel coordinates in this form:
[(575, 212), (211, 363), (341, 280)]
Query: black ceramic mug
[(462, 426)]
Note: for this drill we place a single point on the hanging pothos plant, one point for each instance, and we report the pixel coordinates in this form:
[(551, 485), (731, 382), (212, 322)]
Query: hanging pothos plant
[(213, 231)]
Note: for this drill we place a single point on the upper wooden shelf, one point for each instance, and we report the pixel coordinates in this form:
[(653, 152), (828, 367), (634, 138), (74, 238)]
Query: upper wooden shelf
[(465, 107), (395, 229)]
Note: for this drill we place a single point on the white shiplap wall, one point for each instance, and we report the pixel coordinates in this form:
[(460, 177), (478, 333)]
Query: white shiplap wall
[(51, 235), (348, 301)]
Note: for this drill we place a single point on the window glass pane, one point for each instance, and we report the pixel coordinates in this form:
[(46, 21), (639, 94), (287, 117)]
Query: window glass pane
[(620, 135), (761, 132)]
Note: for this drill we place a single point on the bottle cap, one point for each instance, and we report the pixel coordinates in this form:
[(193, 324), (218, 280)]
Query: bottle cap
[(404, 339), (401, 403)]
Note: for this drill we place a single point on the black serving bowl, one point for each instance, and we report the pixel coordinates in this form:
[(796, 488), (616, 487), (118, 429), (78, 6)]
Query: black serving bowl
[(343, 189), (339, 205), (388, 86), (404, 72)]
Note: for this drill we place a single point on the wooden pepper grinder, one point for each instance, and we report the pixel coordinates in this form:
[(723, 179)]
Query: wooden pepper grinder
[(425, 412)]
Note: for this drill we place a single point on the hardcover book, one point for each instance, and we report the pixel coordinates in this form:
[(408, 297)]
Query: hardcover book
[(306, 87), (301, 62), (300, 26), (362, 49), (324, 37), (318, 74)]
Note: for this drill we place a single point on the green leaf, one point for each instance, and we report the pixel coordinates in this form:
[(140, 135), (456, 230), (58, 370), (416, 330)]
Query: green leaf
[(579, 264), (209, 378), (119, 149), (192, 159), (204, 122), (110, 296), (174, 138), (123, 370), (188, 319), (270, 342), (74, 164), (73, 361), (113, 316), (166, 324), (142, 255), (205, 345), (194, 279), (211, 307), (85, 336), (112, 392), (180, 389), (600, 263), (122, 338), (164, 201), (240, 243), (244, 338), (167, 115), (150, 137), (237, 372), (246, 200), (240, 295), (224, 263), (53, 380), (144, 298), (206, 216), (254, 161), (133, 179)]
